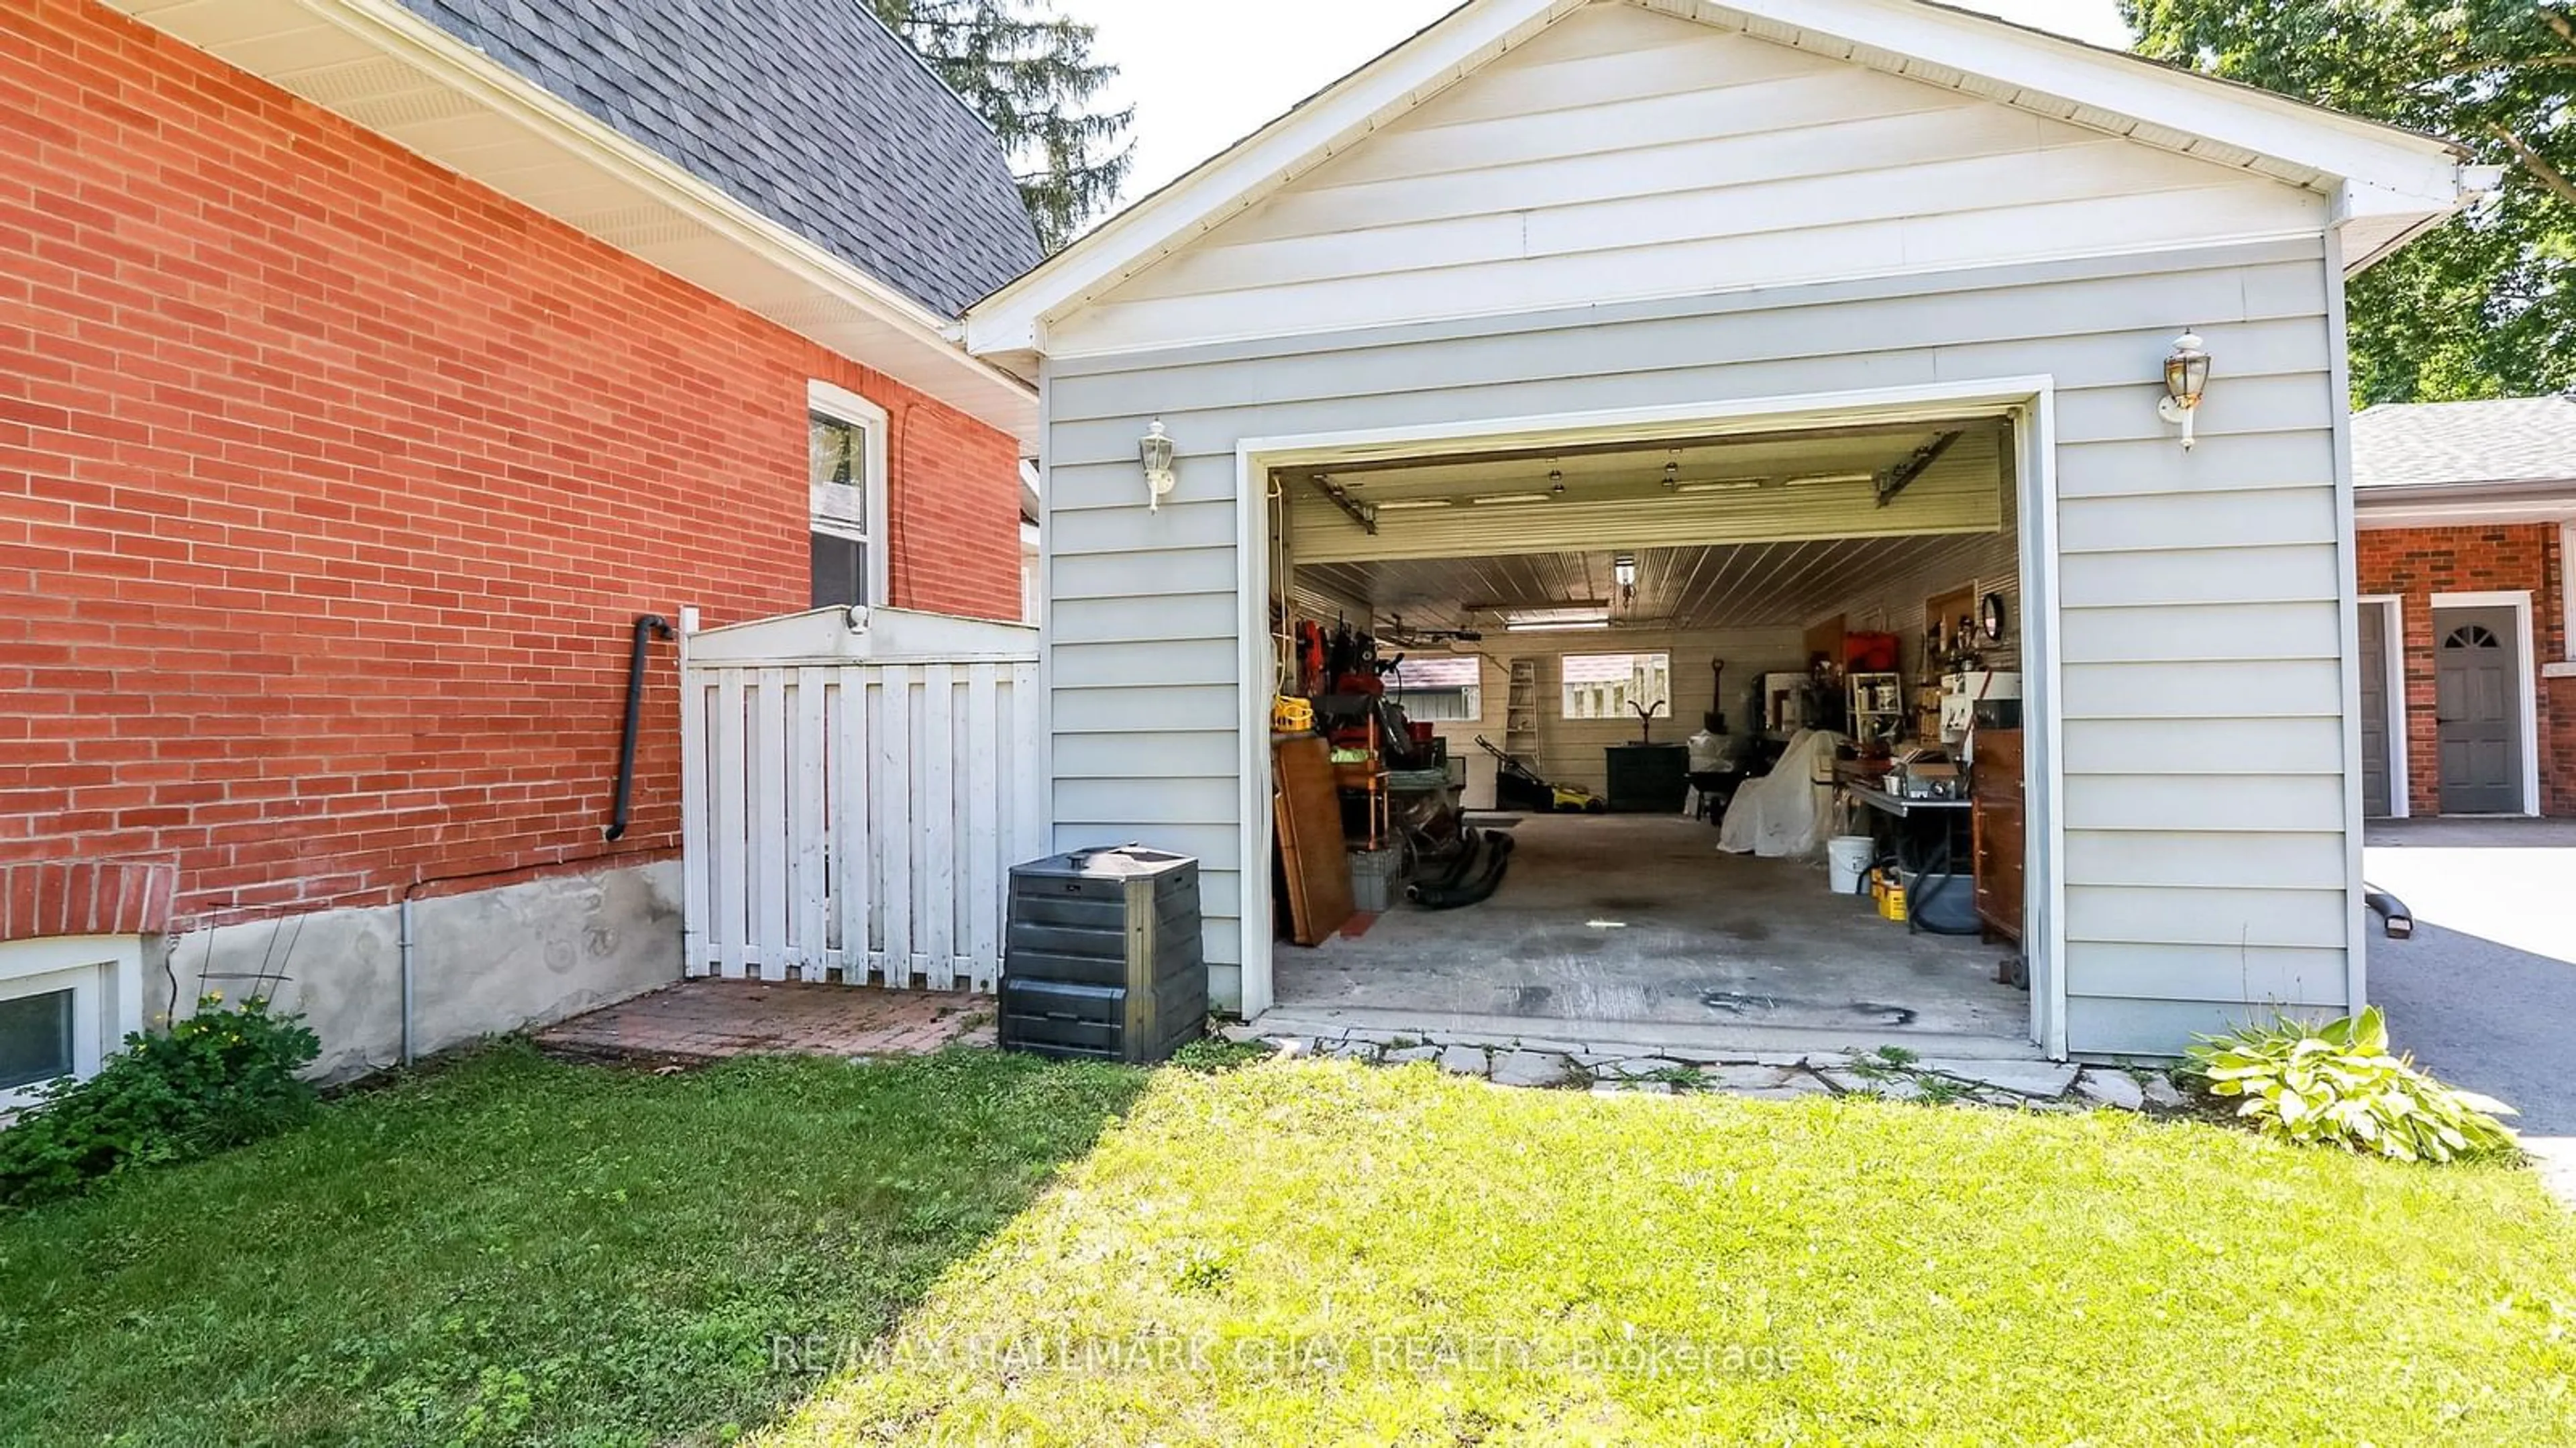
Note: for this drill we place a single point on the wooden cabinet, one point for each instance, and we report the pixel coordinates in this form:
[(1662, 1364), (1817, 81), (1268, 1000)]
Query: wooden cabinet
[(1998, 832)]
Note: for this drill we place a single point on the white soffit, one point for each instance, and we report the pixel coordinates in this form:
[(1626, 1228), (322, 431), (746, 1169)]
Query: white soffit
[(2387, 184), (376, 64)]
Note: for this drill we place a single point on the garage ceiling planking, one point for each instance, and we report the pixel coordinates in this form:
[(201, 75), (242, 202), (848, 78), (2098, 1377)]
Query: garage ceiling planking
[(1759, 489), (1748, 585)]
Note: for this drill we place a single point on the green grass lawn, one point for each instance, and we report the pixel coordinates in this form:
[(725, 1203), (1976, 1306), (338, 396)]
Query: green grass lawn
[(515, 1251)]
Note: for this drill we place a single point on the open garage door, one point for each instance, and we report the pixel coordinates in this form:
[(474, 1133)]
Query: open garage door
[(1660, 625)]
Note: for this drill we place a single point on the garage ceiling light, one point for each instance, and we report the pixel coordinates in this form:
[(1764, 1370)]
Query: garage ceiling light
[(1828, 480), (1496, 499), (1414, 505), (1535, 620), (1731, 485)]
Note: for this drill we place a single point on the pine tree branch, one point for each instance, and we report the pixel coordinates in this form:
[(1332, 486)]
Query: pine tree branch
[(1029, 72)]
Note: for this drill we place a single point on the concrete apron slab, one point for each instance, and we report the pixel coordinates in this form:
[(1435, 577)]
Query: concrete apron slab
[(1639, 1038), (1780, 1070)]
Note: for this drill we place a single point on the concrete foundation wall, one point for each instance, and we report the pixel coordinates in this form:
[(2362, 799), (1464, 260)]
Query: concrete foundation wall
[(484, 962)]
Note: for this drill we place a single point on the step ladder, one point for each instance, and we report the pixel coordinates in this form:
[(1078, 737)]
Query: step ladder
[(1520, 712)]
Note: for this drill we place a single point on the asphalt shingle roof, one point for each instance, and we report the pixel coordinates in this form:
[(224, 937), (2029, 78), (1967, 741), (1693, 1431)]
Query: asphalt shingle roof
[(2515, 440), (808, 111)]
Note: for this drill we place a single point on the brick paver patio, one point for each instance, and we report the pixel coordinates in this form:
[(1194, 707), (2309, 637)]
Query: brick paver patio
[(711, 1019)]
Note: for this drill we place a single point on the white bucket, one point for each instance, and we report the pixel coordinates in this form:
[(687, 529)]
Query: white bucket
[(1848, 857)]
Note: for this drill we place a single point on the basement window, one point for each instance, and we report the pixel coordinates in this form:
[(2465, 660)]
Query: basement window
[(65, 1003), (1435, 690), (35, 1038), (1614, 686), (845, 497)]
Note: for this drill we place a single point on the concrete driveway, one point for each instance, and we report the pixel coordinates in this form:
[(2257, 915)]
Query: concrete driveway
[(2485, 994)]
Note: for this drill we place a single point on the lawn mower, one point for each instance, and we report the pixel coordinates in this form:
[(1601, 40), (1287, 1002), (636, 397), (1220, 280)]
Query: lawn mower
[(1517, 786)]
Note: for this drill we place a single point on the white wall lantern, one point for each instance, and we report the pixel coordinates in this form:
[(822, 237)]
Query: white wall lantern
[(1156, 451), (2186, 379)]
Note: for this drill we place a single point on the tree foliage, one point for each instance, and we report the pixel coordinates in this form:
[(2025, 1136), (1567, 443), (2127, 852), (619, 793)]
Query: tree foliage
[(2483, 306), (1030, 73)]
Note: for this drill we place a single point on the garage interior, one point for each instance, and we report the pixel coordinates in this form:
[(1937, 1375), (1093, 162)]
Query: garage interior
[(1704, 736)]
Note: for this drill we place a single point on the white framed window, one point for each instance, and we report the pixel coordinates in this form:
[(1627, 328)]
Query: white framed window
[(1614, 686), (1437, 688), (845, 496), (66, 1002), (2567, 597)]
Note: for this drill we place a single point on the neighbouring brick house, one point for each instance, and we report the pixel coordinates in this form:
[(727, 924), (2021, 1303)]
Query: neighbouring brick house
[(2467, 517), (364, 374)]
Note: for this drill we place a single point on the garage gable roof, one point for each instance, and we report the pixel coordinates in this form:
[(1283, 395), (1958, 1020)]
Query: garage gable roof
[(2387, 184)]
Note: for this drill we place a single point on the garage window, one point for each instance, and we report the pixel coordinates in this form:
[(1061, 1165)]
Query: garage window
[(1439, 689), (1614, 686)]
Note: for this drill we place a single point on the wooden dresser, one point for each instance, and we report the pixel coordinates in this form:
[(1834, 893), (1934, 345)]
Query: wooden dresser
[(1998, 820)]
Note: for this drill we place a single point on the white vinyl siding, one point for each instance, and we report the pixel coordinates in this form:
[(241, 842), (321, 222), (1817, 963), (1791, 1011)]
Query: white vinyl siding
[(1624, 154), (2203, 685), (1633, 211)]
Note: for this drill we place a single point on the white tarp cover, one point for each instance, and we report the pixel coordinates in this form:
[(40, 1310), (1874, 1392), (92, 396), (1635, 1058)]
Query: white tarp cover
[(1776, 815)]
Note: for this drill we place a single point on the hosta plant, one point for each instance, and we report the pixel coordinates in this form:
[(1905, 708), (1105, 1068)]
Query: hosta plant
[(2338, 1085)]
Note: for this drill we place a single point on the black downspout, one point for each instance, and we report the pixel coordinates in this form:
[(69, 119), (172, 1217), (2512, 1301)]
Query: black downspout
[(647, 626)]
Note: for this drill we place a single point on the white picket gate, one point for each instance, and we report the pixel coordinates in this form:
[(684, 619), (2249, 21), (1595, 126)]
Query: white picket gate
[(856, 785)]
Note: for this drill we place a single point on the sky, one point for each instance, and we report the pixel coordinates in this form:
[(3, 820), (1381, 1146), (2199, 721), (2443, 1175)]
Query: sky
[(1203, 74)]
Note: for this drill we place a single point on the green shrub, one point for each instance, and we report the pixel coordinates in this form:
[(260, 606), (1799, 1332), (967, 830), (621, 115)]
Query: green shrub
[(2337, 1085), (220, 1078)]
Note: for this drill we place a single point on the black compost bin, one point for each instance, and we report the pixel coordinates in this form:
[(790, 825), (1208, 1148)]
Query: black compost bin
[(1103, 958)]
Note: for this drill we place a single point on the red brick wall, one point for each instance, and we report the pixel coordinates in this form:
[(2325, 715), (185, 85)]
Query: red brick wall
[(330, 484), (2416, 563)]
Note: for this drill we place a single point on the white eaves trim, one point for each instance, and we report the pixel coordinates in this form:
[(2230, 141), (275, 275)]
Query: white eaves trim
[(2387, 184), (2402, 169), (387, 69)]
